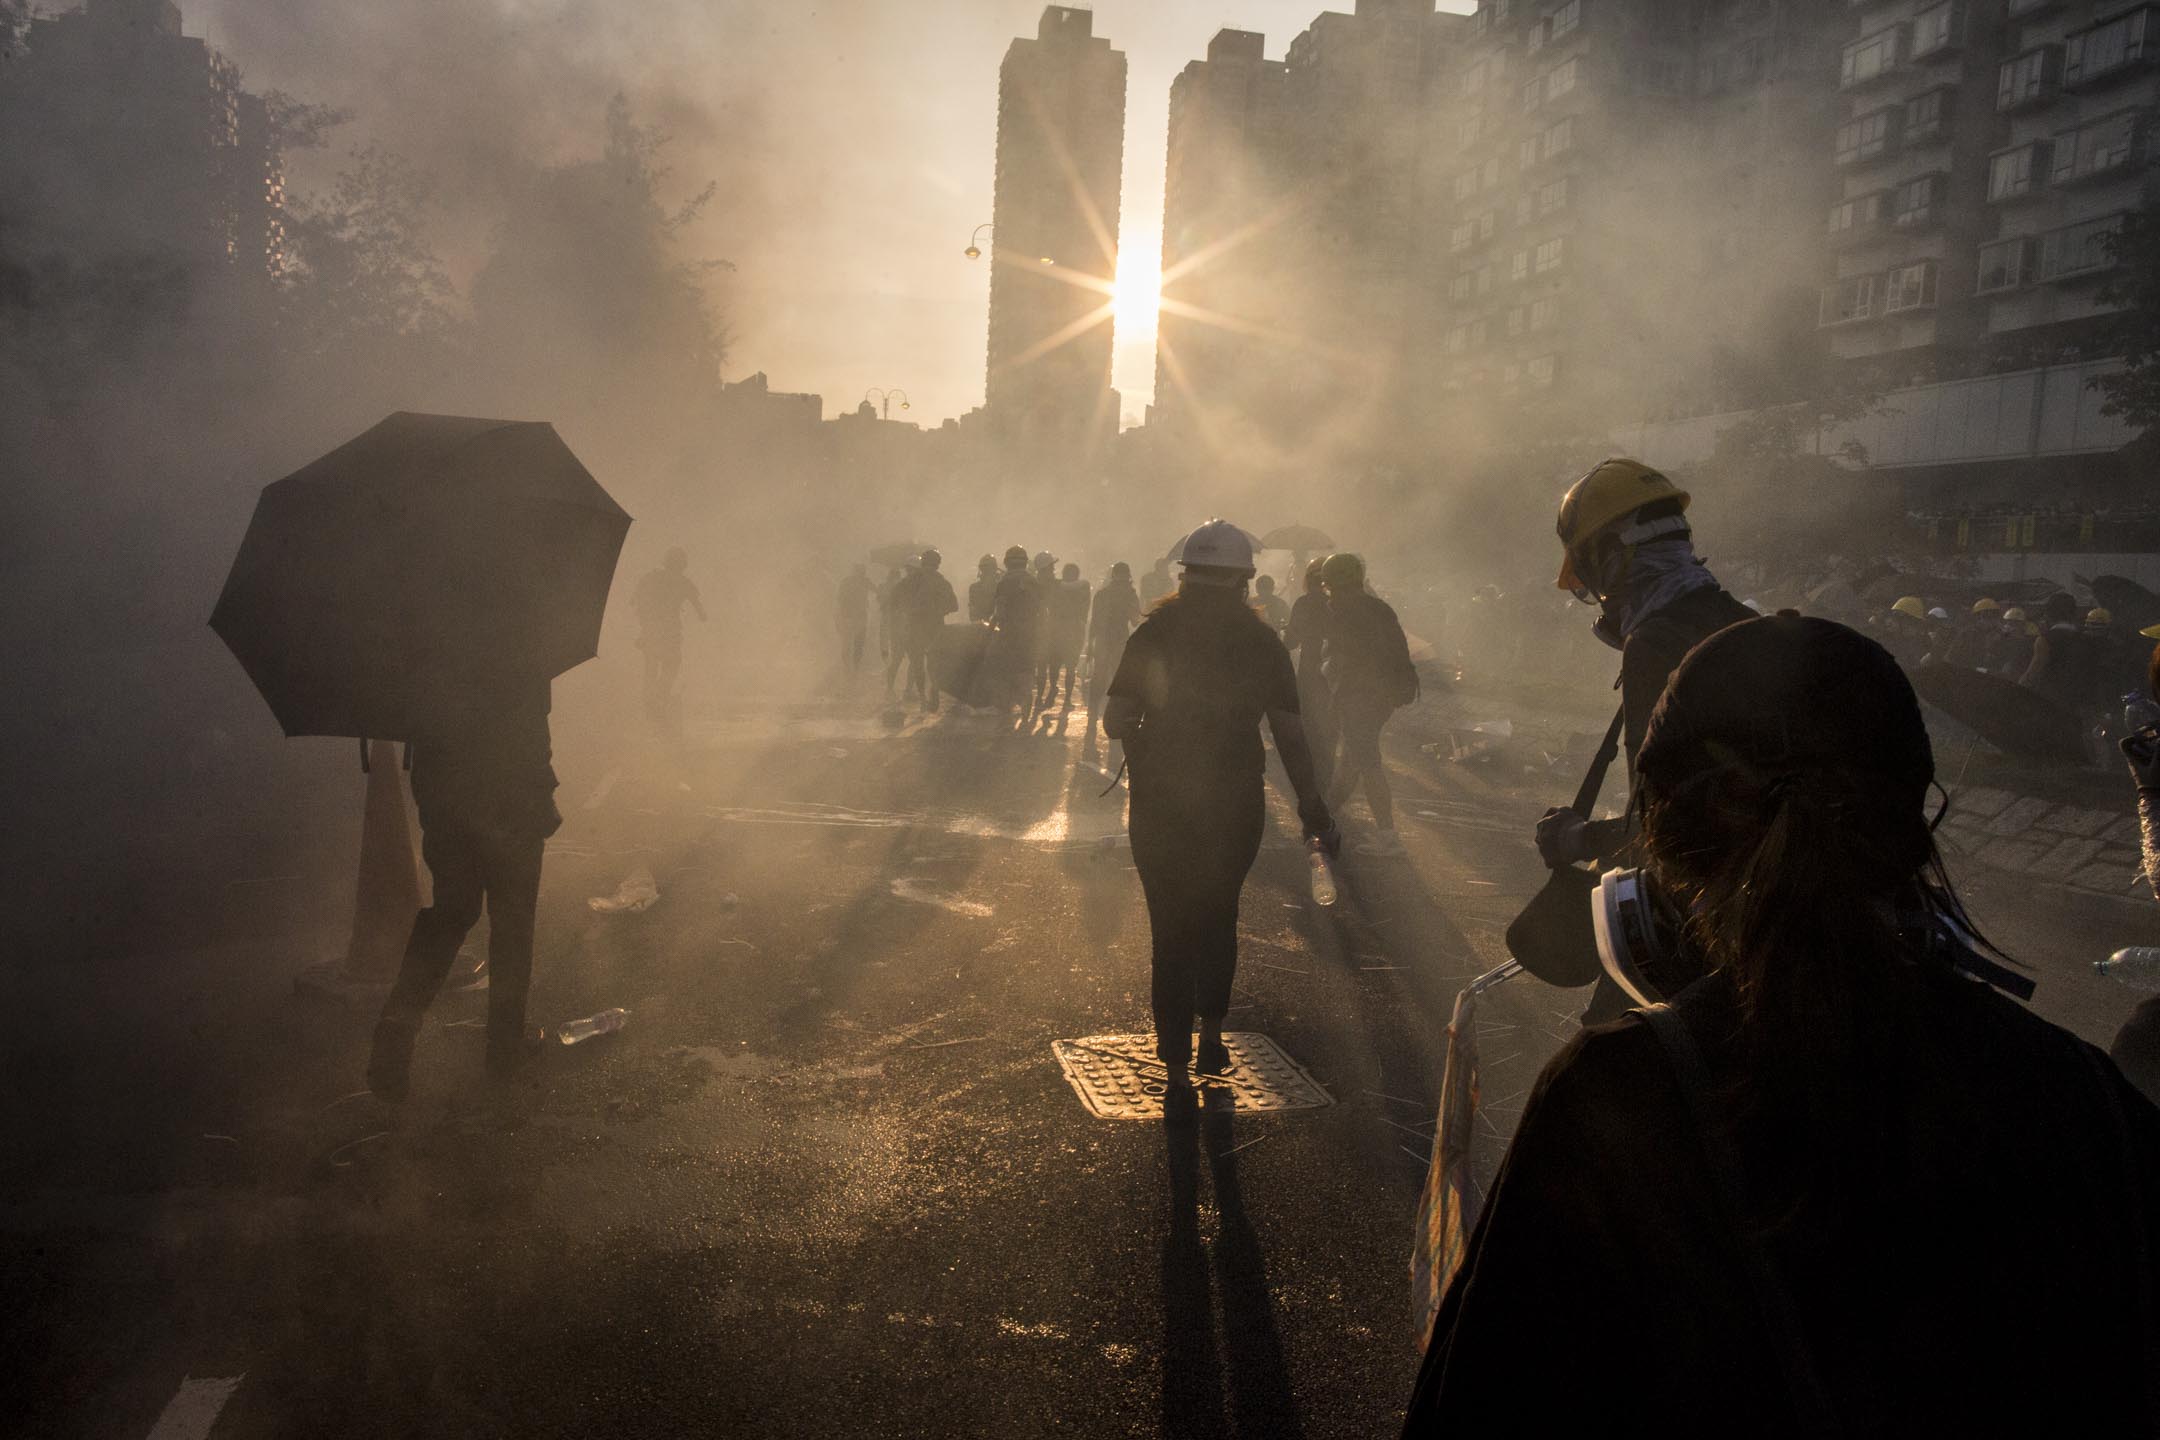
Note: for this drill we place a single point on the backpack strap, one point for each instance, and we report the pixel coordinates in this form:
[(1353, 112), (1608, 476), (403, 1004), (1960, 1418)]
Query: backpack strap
[(1810, 1400)]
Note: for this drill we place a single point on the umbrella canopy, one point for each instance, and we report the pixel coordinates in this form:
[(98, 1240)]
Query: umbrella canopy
[(431, 553), (1297, 537), (897, 554), (2130, 603), (2019, 722)]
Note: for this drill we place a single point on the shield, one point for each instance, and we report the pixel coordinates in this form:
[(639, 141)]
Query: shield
[(431, 553), (897, 554), (1303, 539), (2017, 721)]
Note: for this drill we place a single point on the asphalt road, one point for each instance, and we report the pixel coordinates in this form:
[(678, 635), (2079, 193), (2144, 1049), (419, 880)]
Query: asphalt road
[(830, 1179)]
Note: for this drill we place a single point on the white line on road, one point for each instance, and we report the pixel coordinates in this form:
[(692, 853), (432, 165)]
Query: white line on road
[(194, 1408)]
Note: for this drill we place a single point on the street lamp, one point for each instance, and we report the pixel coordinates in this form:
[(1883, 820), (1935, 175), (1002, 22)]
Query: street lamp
[(885, 399), (974, 250)]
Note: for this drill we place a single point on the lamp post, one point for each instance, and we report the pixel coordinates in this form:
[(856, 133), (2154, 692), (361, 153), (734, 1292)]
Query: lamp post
[(974, 249), (885, 399)]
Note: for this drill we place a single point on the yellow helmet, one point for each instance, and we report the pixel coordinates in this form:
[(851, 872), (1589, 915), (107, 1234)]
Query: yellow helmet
[(2151, 632), (1608, 494), (2014, 613), (1985, 607), (1913, 606), (2099, 615)]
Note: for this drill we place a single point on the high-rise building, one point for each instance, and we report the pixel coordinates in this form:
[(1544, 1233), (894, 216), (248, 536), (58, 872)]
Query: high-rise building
[(127, 140), (1292, 288), (1060, 163)]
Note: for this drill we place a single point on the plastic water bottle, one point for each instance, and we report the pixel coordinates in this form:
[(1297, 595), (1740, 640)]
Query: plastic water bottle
[(607, 1022), (1324, 892), (2138, 967)]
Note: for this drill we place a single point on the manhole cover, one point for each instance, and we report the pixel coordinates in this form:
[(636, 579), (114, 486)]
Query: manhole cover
[(1119, 1078)]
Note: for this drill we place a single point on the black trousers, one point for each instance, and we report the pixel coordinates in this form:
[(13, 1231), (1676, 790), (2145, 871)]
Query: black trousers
[(1193, 851), (472, 868)]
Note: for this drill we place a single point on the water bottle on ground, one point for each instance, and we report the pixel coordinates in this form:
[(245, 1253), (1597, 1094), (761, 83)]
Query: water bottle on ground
[(607, 1022), (1324, 892), (2137, 967)]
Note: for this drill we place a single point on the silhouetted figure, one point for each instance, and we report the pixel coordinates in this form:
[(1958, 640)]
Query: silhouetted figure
[(659, 601), (1370, 674), (1156, 583), (982, 595), (484, 785), (1836, 1187), (852, 618), (1270, 605), (1198, 678), (1307, 634), (1068, 631), (1111, 617), (1017, 610), (927, 599)]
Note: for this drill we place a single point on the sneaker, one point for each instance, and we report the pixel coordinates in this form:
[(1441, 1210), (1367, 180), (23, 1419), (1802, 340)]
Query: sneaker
[(511, 1056), (1213, 1058), (389, 1071), (1384, 845)]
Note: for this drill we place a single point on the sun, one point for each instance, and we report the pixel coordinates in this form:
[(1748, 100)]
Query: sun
[(1137, 296)]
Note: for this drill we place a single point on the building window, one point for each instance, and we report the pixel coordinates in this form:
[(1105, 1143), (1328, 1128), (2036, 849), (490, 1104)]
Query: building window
[(1459, 287), (1488, 224), (2015, 173), (1909, 287), (2106, 47), (1567, 19), (1857, 214), (1470, 129), (1466, 185), (1543, 313), (1549, 254), (1462, 237), (2025, 79), (2079, 249), (1543, 370), (1927, 117), (1533, 93), (1917, 202), (1560, 139), (1525, 210), (1477, 333), (1536, 40), (1866, 136), (1848, 300), (1552, 197), (2097, 148), (1457, 340), (1871, 57), (1935, 28), (1519, 266), (1515, 321), (1562, 79), (2002, 266)]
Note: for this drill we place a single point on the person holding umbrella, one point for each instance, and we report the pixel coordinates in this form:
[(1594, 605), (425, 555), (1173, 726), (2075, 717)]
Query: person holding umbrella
[(1196, 680)]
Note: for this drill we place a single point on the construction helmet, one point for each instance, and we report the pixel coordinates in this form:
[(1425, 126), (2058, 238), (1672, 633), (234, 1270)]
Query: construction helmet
[(1044, 560), (1016, 558), (1936, 612), (985, 565), (1218, 545), (1911, 606), (1986, 607), (2099, 615), (1343, 569), (2151, 632), (1607, 495), (2013, 615)]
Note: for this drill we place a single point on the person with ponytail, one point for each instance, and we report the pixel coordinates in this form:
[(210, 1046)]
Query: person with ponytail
[(1838, 1185)]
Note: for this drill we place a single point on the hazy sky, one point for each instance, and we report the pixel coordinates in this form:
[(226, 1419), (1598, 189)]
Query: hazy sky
[(853, 141)]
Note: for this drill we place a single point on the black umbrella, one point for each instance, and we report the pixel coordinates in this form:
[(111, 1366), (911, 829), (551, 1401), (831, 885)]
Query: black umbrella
[(1300, 538), (429, 554), (2017, 721)]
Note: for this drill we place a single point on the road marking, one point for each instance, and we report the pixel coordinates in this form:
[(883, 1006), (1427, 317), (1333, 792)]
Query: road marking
[(194, 1408)]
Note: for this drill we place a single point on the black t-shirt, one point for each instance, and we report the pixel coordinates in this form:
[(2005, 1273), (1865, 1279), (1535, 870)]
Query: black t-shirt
[(1206, 670)]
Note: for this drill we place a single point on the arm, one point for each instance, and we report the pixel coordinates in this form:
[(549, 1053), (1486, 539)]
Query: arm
[(2037, 670), (1122, 717), (1288, 728)]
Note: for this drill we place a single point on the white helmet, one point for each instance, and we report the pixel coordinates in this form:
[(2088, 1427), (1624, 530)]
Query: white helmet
[(1219, 545)]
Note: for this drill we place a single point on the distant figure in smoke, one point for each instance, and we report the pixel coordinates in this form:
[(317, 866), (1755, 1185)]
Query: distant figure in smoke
[(1370, 672), (1046, 584), (1068, 632), (929, 599), (1111, 617), (1270, 605), (853, 618), (982, 595), (484, 784), (1017, 613), (659, 601), (1197, 679), (1156, 583), (895, 603), (1307, 634)]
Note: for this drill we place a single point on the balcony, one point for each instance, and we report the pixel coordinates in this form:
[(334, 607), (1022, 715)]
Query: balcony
[(2108, 50), (2005, 265), (2079, 251), (1868, 137), (1847, 302), (1859, 219), (2031, 79), (1871, 58)]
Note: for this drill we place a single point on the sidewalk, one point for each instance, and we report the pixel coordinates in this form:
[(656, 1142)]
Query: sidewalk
[(2092, 850)]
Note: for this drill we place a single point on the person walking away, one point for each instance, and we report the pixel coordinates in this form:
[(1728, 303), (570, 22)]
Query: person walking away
[(1045, 578), (982, 595), (1371, 676), (1017, 615), (1156, 583), (1761, 1208), (895, 621), (1111, 617), (852, 617), (1068, 631), (1307, 634), (1196, 680), (929, 601), (1270, 605), (1976, 641), (659, 600), (484, 784)]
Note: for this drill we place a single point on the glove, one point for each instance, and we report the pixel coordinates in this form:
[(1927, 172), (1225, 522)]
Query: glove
[(2142, 750), (1560, 838)]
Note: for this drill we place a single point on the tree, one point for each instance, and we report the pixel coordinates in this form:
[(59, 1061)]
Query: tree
[(2133, 332), (363, 279)]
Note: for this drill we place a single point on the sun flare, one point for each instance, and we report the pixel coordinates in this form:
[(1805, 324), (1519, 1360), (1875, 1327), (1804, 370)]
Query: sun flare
[(1138, 292)]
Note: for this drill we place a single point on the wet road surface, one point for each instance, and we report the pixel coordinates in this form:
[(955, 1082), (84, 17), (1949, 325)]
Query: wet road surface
[(830, 1179)]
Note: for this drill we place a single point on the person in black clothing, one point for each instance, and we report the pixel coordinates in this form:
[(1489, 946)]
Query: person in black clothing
[(1629, 548), (2066, 662), (1198, 677), (1371, 677), (926, 599), (1017, 612), (484, 784), (1271, 606), (982, 595), (1307, 634), (1837, 1186), (1111, 617)]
